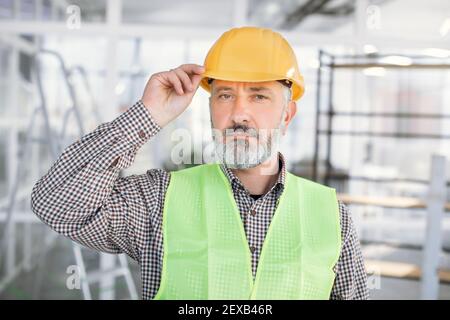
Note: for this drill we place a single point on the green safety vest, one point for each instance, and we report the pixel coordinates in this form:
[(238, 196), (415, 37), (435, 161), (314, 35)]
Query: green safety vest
[(206, 253)]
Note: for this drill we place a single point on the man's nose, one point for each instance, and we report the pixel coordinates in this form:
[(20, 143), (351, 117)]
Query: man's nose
[(241, 110)]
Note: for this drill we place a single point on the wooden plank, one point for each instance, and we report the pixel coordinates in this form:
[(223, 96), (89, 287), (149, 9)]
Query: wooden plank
[(390, 202), (401, 270)]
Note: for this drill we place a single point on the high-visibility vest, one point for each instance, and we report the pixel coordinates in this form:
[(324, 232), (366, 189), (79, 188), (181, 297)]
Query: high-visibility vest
[(206, 253)]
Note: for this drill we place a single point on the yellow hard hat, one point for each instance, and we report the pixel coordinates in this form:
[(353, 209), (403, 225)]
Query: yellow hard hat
[(252, 54)]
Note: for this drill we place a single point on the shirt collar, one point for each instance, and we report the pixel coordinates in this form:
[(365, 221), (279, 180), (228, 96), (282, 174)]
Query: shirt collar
[(237, 184)]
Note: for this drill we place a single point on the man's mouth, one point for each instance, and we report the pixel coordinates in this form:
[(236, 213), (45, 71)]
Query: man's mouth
[(240, 136), (239, 133)]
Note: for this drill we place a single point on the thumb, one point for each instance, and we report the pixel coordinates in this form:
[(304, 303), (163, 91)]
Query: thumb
[(196, 79)]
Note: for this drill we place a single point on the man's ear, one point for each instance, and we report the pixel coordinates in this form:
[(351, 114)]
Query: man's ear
[(290, 112)]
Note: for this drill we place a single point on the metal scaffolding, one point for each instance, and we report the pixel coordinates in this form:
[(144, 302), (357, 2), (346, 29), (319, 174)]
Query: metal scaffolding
[(435, 203)]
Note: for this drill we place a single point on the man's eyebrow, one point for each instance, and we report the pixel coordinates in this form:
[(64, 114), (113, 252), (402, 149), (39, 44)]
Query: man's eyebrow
[(222, 88)]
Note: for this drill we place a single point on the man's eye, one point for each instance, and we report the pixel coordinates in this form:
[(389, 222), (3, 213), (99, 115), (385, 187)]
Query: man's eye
[(260, 97), (225, 96)]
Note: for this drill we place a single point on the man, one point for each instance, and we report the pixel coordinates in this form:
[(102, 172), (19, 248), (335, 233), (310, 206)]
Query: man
[(242, 229)]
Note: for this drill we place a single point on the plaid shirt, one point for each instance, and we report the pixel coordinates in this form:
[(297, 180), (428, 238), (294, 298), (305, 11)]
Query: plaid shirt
[(84, 198)]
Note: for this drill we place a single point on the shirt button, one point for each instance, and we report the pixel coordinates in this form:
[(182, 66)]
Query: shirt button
[(252, 212), (252, 249), (141, 134)]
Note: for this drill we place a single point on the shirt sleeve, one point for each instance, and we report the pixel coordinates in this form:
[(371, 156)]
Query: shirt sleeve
[(83, 197), (351, 277)]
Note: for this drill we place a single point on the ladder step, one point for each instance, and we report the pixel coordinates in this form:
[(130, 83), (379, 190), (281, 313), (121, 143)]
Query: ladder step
[(401, 270), (95, 276)]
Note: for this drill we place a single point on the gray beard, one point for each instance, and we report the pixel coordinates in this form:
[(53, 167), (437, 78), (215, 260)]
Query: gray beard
[(247, 153)]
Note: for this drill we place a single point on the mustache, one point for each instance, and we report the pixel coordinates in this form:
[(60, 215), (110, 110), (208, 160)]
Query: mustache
[(241, 128)]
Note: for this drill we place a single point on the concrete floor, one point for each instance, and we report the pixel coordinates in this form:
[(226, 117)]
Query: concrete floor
[(50, 282)]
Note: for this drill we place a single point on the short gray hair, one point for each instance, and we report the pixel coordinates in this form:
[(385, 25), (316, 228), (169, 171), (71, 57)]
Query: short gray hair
[(287, 94)]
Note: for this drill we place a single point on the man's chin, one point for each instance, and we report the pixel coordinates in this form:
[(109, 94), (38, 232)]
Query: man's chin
[(245, 161), (241, 165)]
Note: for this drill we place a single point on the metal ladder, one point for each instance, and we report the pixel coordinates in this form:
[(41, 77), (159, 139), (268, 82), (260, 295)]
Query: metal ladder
[(56, 142)]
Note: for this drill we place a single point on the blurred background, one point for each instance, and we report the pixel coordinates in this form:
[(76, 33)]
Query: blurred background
[(374, 123)]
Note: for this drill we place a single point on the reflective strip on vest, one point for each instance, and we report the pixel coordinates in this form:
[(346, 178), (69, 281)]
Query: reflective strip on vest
[(206, 253)]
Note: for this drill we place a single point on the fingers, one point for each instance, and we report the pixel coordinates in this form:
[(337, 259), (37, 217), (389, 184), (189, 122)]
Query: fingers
[(175, 81), (186, 76), (187, 83), (192, 68)]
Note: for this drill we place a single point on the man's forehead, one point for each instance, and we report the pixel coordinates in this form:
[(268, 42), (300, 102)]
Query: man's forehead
[(219, 85)]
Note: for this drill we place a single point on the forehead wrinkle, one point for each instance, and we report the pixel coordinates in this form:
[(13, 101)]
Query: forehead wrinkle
[(252, 89), (259, 89)]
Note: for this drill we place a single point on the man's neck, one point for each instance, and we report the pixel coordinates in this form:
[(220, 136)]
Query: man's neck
[(259, 179)]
